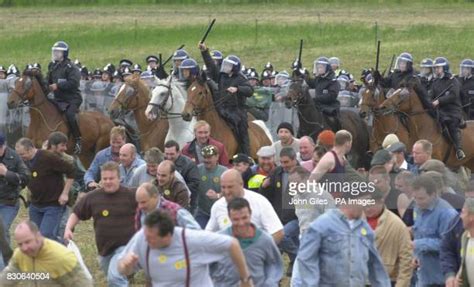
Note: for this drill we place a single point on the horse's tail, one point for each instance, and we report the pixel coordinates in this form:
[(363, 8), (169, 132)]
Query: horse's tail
[(262, 125)]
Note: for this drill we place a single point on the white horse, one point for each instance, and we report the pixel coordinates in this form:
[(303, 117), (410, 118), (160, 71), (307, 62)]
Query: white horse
[(169, 104)]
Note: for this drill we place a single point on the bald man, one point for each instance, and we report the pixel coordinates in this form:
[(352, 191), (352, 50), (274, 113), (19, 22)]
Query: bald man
[(263, 214), (47, 262), (169, 187), (306, 149), (129, 162), (148, 198)]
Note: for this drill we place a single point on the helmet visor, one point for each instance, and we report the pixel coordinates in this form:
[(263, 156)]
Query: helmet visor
[(226, 66), (57, 55)]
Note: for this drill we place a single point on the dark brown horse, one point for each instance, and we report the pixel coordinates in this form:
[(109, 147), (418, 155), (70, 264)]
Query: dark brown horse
[(134, 95), (383, 123), (201, 104), (312, 122), (423, 126), (46, 118)]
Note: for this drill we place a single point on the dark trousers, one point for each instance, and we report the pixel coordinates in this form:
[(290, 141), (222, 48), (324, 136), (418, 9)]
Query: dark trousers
[(71, 113)]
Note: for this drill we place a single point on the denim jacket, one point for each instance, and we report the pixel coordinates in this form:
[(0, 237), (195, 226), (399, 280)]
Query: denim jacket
[(430, 225), (93, 172), (334, 254)]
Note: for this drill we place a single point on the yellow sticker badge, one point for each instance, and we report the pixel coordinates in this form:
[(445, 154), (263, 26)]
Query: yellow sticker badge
[(203, 178), (278, 184), (181, 264), (226, 220), (363, 231), (34, 174), (167, 192), (162, 258), (215, 179), (105, 213)]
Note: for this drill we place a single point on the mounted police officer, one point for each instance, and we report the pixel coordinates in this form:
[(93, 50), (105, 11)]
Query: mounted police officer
[(326, 90), (178, 57), (467, 86), (404, 77), (445, 89), (233, 89), (188, 71), (63, 79), (426, 73)]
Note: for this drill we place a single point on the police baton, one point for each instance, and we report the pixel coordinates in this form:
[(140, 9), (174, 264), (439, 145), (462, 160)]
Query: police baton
[(208, 30), (169, 58), (442, 92)]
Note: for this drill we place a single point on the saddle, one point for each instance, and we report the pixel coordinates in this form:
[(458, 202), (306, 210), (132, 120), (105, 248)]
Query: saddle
[(61, 106)]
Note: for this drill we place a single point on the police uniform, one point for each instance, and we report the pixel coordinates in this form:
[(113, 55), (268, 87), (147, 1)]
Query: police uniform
[(232, 109), (467, 96), (450, 111), (68, 96), (326, 91)]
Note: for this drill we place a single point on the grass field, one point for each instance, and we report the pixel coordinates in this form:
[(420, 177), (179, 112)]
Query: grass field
[(256, 32)]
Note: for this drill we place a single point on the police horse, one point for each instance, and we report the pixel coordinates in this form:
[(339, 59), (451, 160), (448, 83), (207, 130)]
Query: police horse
[(134, 96), (200, 104), (424, 126), (313, 121), (384, 122), (46, 118), (167, 101)]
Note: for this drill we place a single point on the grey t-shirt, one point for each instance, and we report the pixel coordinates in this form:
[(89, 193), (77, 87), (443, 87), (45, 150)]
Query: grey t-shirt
[(168, 264), (263, 260)]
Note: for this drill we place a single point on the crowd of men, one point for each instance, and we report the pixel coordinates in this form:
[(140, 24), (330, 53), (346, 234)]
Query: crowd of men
[(193, 215)]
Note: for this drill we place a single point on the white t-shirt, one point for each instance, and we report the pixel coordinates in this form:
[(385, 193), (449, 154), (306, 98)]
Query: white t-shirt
[(168, 265), (263, 214)]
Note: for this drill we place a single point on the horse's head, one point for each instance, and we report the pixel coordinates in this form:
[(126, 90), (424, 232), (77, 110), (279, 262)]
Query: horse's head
[(399, 100), (199, 98), (371, 99), (296, 93), (160, 100), (23, 90), (132, 95)]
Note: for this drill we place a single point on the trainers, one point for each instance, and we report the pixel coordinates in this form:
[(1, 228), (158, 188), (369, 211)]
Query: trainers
[(460, 155)]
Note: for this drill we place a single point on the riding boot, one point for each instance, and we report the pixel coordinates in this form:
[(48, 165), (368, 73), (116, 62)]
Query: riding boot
[(244, 141), (76, 133), (456, 135)]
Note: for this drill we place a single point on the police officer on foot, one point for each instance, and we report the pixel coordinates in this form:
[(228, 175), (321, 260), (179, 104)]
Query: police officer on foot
[(63, 81)]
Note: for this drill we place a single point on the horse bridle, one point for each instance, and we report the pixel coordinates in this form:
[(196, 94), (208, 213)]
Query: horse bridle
[(298, 102), (22, 96), (166, 112), (124, 104), (197, 111)]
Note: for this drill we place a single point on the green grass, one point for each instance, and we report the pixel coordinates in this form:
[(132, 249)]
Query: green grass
[(259, 32)]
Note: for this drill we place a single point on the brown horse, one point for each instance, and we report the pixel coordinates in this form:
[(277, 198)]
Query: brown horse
[(46, 118), (313, 121), (134, 95), (423, 126), (383, 123), (201, 104)]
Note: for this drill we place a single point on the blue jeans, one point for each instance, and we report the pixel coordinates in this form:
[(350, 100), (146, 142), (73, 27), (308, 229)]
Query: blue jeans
[(109, 265), (48, 219), (291, 242), (201, 218), (8, 214)]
